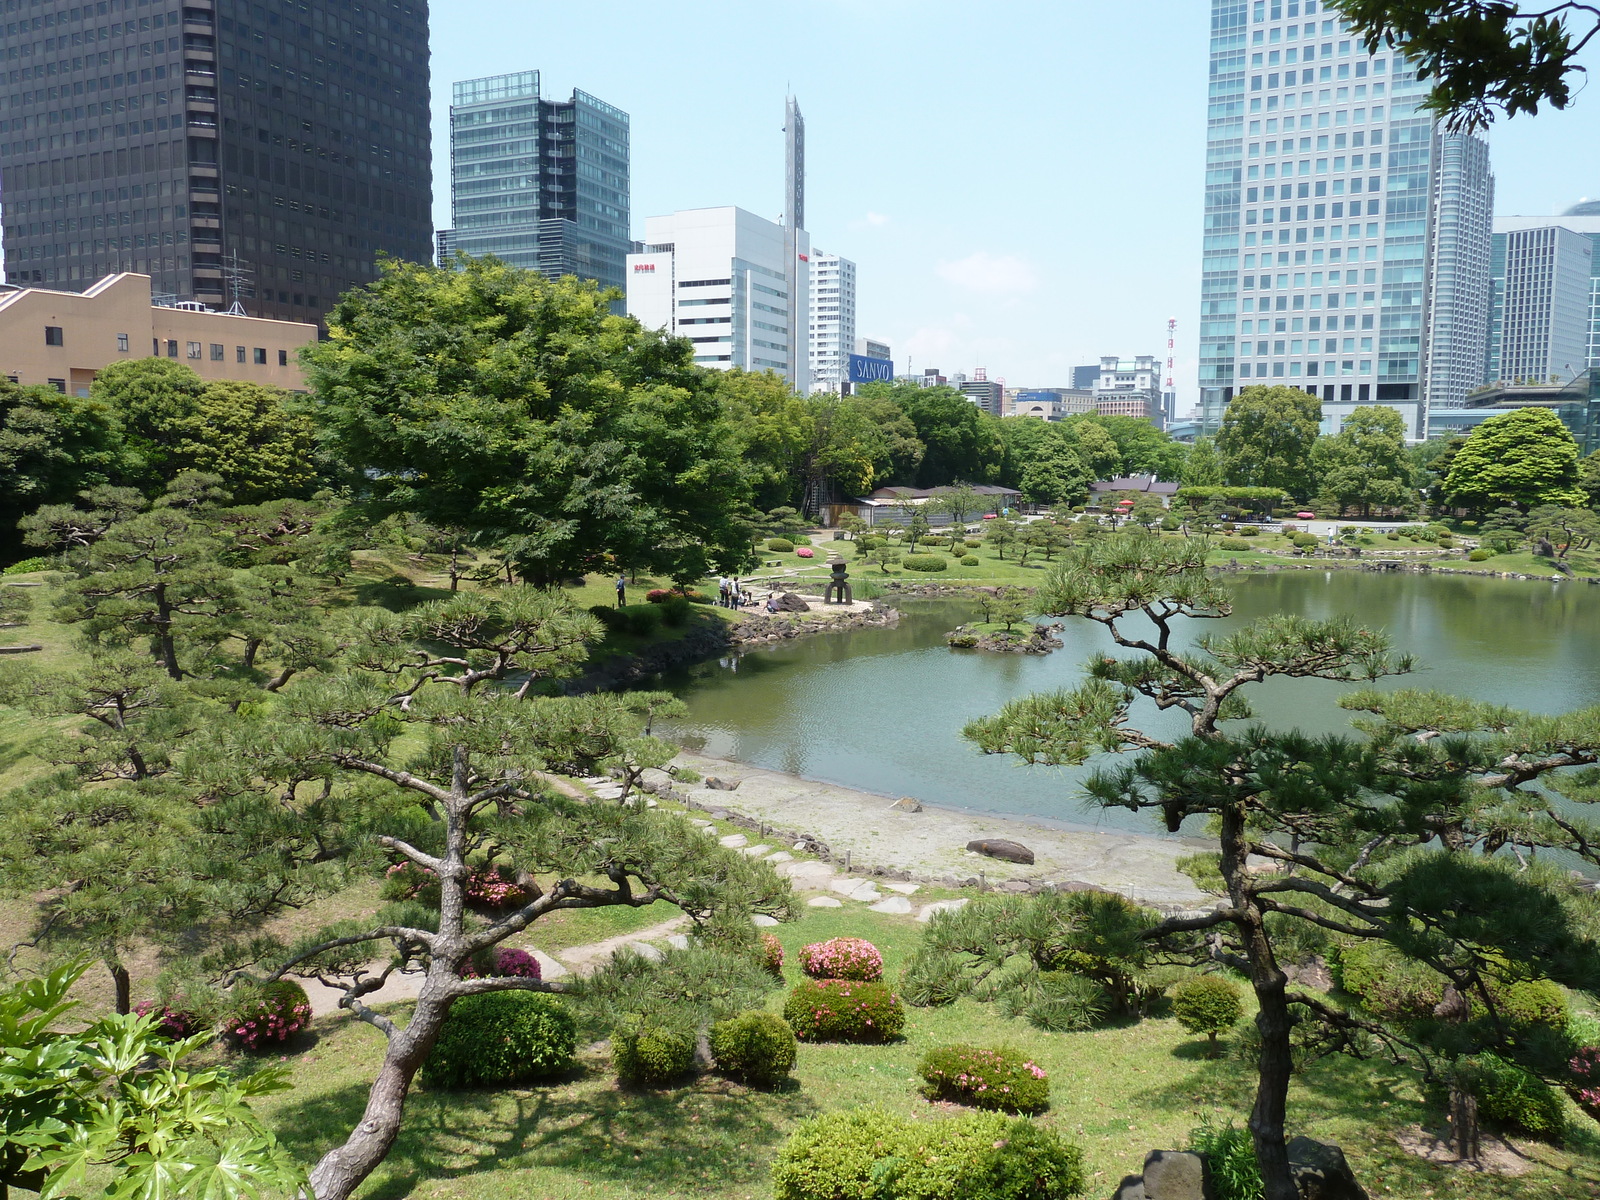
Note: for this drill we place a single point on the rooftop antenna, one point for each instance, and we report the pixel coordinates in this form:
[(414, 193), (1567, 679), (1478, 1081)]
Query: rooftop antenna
[(236, 275)]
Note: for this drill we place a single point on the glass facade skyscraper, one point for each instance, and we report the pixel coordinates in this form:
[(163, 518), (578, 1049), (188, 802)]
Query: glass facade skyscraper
[(541, 184), (285, 137), (1346, 239), (1545, 319)]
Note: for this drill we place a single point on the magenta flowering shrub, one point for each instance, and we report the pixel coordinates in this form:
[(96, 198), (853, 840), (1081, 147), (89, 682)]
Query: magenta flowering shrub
[(502, 961), (844, 1010), (273, 1014), (485, 888), (985, 1078), (175, 1023), (772, 954), (1586, 1075), (842, 958)]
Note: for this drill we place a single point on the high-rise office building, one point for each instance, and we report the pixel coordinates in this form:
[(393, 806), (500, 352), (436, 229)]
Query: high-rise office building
[(1346, 237), (541, 184), (833, 320), (988, 394), (1545, 315), (286, 139), (1128, 387), (731, 282)]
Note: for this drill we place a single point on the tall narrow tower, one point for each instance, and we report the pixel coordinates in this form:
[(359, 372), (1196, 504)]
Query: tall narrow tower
[(796, 245)]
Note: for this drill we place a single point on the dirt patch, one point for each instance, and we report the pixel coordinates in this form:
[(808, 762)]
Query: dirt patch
[(1497, 1156)]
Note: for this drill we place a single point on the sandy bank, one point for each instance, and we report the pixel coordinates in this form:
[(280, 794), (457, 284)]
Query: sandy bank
[(932, 842)]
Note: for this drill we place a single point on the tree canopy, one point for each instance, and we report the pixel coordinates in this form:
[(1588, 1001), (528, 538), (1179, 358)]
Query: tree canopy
[(1366, 463), (1266, 439), (1526, 458)]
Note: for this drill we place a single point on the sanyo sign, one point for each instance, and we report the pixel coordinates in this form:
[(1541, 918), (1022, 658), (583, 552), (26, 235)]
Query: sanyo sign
[(871, 370)]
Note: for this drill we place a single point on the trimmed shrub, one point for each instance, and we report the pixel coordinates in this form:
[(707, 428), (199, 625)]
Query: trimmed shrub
[(1510, 1096), (971, 543), (1207, 1004), (641, 620), (171, 1022), (1479, 555), (647, 1052), (1249, 531), (1447, 543), (804, 552), (757, 1046), (23, 566), (865, 1153), (1169, 523), (1000, 1079), (1534, 1002), (780, 545), (676, 611), (501, 962), (1231, 1160), (1387, 983), (1232, 543), (499, 1038), (969, 560), (842, 958), (844, 1010), (270, 1014), (927, 563), (1306, 541), (658, 595), (772, 954), (933, 543)]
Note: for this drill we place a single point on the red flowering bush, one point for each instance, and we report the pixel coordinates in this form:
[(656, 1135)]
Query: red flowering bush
[(983, 1078), (174, 1023), (842, 958), (271, 1015), (844, 1010), (486, 889), (502, 961), (772, 954), (657, 595), (1586, 1073)]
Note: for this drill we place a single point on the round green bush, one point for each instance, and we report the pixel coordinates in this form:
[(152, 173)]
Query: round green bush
[(970, 560), (1232, 543), (925, 562), (1207, 1004), (780, 545), (1510, 1096), (1480, 555), (756, 1046), (499, 1038), (844, 1010), (676, 611), (24, 566), (984, 1078), (1534, 1002), (1249, 531), (1169, 523), (971, 543), (651, 1053), (934, 543), (1387, 983), (853, 1154), (1447, 543), (1392, 535), (1305, 541), (269, 1014)]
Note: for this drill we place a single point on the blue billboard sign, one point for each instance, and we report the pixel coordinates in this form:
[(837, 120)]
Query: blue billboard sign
[(871, 370)]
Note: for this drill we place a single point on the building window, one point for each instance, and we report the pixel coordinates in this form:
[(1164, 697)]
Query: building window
[(283, 358), (238, 353), (53, 336), (261, 356), (217, 351), (122, 342), (60, 385), (194, 349), (172, 348)]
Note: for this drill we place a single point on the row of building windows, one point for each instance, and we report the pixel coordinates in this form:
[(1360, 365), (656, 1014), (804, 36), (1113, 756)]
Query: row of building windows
[(55, 335)]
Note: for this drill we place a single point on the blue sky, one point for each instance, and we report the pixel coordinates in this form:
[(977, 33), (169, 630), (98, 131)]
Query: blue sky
[(1020, 183)]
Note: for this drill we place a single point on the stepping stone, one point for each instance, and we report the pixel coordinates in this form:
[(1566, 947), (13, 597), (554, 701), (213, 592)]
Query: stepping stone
[(894, 904), (549, 968), (734, 840), (824, 902), (905, 889), (646, 950), (710, 830), (679, 941), (808, 873), (755, 851), (699, 824), (846, 886), (782, 856), (925, 914), (762, 920)]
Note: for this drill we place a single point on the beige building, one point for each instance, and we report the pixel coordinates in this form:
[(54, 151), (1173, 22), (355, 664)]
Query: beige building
[(66, 338)]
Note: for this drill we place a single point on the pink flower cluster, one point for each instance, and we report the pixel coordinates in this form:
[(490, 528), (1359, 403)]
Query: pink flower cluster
[(487, 888), (842, 958), (509, 963), (1586, 1069), (172, 1022), (772, 954), (268, 1023)]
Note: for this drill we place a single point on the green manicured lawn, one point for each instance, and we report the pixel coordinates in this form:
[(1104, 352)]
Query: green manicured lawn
[(1117, 1092)]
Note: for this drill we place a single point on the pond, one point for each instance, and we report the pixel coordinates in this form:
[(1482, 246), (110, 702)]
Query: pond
[(882, 710)]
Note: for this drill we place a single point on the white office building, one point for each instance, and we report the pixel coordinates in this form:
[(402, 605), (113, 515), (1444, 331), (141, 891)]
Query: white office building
[(833, 319), (873, 348), (721, 278), (1545, 318)]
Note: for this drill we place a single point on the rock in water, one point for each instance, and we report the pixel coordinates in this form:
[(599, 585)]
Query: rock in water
[(722, 785), (1002, 848), (1320, 1171), (907, 804), (1175, 1175)]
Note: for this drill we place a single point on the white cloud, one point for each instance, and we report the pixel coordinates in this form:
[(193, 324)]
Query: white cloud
[(985, 272), (872, 220)]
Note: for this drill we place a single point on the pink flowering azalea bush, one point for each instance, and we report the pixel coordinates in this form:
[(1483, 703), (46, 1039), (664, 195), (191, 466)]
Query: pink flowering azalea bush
[(804, 552), (173, 1022), (485, 888), (271, 1015), (502, 961), (985, 1078), (844, 1010), (772, 954), (1586, 1076), (842, 958)]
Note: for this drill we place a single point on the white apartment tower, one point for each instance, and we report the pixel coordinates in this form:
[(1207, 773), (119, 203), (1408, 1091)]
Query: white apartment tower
[(833, 319), (722, 277)]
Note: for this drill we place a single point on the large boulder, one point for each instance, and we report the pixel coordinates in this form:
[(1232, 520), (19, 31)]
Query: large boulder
[(1002, 848), (1321, 1172), (722, 785), (1131, 1188), (789, 602), (1175, 1175)]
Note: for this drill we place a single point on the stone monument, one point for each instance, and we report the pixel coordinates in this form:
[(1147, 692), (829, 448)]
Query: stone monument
[(840, 583)]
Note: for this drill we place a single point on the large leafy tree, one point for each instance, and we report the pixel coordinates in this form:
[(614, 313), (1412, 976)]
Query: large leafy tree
[(1482, 55), (774, 429), (1142, 449), (492, 399), (1346, 821), (1526, 458), (1366, 462), (1042, 460), (52, 446), (1203, 467), (960, 441), (1266, 439)]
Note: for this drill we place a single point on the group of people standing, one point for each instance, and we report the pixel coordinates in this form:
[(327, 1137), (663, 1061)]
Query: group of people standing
[(730, 593)]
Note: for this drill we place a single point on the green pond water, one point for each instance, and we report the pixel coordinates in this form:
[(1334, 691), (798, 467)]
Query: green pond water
[(882, 710)]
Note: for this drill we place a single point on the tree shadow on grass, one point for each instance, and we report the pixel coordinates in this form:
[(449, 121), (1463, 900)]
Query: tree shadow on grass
[(708, 1134)]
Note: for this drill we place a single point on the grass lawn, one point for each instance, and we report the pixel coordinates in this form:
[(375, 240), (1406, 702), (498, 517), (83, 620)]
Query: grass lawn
[(1117, 1092)]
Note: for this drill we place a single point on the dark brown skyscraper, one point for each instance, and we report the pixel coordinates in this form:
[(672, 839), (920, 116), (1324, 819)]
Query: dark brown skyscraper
[(172, 139)]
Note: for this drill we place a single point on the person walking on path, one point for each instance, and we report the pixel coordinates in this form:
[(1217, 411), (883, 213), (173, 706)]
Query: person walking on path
[(622, 591)]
